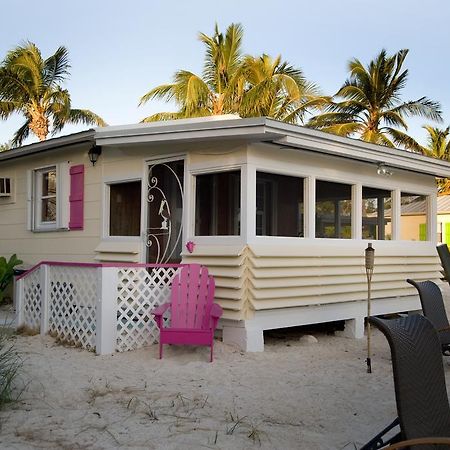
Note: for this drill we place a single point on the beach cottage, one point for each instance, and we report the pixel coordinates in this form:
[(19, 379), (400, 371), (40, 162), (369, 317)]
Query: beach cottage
[(280, 214)]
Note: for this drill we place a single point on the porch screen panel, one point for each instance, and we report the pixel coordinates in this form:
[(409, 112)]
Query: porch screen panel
[(218, 204), (376, 214), (279, 205), (413, 220), (125, 209), (333, 210)]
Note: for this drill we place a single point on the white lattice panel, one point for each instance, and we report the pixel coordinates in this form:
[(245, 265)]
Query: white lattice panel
[(140, 290), (72, 300), (32, 301)]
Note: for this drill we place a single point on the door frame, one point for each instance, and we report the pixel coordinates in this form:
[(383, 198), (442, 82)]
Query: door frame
[(144, 206)]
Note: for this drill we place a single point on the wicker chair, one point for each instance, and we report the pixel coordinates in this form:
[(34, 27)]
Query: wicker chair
[(434, 310), (444, 255), (420, 391)]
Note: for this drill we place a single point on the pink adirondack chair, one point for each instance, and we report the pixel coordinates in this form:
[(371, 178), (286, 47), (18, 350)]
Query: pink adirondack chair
[(193, 313)]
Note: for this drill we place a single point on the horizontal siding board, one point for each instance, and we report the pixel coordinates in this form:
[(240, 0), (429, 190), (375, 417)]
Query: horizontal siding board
[(276, 303), (217, 261), (336, 280), (342, 248), (292, 272), (260, 294)]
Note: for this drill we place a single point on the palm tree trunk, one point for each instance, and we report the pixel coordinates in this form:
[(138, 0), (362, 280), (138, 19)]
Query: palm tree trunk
[(39, 125)]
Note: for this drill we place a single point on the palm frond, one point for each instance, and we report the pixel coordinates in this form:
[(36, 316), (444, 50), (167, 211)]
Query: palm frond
[(162, 116), (56, 67), (21, 134), (404, 140)]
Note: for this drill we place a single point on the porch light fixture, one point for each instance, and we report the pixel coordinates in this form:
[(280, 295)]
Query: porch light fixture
[(94, 153), (383, 170)]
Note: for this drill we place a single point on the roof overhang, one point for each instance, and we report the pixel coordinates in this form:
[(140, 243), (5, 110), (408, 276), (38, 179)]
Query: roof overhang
[(259, 129), (50, 144)]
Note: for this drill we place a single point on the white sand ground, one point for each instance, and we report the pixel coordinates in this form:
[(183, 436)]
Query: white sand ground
[(295, 395)]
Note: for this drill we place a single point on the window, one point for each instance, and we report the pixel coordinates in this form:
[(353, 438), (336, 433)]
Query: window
[(413, 221), (5, 187), (45, 208), (218, 204), (279, 205), (125, 209), (333, 210), (376, 214)]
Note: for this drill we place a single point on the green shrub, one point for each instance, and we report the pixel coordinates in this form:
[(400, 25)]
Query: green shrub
[(7, 272)]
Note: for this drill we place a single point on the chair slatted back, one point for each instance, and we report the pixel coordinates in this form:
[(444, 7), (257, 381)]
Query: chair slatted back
[(444, 255), (191, 298), (433, 307), (420, 389)]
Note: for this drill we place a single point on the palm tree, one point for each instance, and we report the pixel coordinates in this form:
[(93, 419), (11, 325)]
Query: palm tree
[(235, 84), (438, 143), (31, 85), (6, 146), (372, 108), (276, 89), (217, 91), (438, 146)]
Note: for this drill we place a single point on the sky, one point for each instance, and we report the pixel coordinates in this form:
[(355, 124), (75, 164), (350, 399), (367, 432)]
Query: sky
[(119, 50)]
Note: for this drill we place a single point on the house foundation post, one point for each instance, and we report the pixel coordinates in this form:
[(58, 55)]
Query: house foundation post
[(247, 339), (106, 310), (354, 328)]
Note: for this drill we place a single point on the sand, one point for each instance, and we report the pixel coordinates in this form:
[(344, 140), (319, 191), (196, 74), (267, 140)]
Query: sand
[(294, 395)]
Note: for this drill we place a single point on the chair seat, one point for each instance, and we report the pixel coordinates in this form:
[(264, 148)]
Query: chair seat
[(186, 336)]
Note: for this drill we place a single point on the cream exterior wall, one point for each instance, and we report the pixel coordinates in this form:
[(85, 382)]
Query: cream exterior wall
[(61, 245), (253, 273), (267, 273)]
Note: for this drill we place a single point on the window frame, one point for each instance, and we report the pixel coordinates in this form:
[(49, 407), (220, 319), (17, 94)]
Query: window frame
[(107, 209), (212, 171), (392, 217), (37, 197), (353, 203), (300, 177)]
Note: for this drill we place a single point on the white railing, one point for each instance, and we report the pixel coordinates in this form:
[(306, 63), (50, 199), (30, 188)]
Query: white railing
[(99, 307)]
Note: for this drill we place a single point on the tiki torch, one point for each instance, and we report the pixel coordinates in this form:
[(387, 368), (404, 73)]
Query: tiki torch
[(369, 262)]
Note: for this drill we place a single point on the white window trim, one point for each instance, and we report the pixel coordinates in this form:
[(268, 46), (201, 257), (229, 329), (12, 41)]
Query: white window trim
[(62, 198), (107, 210), (232, 238)]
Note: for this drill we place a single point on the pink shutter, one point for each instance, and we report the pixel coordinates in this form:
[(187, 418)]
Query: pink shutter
[(76, 197)]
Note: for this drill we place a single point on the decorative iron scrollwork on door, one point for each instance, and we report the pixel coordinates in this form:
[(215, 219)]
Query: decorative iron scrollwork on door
[(165, 206)]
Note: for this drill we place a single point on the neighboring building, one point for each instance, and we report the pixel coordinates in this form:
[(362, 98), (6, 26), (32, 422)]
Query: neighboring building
[(413, 219), (279, 213)]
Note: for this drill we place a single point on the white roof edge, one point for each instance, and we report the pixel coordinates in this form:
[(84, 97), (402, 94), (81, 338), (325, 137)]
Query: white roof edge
[(50, 144), (321, 142), (176, 126), (257, 129)]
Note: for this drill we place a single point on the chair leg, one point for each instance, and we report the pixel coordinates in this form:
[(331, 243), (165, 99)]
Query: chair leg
[(212, 349), (160, 350)]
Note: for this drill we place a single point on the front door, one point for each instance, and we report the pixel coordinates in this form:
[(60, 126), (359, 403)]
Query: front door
[(165, 212)]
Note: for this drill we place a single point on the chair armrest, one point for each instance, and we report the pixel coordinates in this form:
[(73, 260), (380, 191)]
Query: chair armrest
[(440, 330), (419, 441), (160, 310), (216, 311)]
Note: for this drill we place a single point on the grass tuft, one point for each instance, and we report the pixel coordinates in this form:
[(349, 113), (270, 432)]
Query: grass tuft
[(10, 365)]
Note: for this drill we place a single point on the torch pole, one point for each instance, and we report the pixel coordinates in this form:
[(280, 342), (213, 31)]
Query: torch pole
[(369, 264)]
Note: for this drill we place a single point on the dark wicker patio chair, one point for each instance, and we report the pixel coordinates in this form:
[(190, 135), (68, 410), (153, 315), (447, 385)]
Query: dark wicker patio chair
[(434, 310), (420, 391), (444, 255)]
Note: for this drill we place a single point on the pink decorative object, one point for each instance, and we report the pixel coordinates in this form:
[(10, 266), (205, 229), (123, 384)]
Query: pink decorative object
[(193, 313), (190, 246)]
